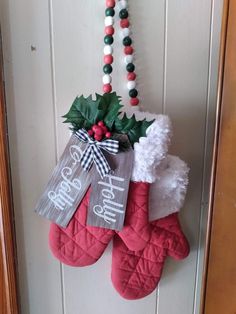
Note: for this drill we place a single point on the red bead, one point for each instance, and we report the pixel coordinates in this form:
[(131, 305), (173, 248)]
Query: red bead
[(110, 3), (124, 23), (134, 101), (107, 88), (131, 76), (128, 50), (108, 59), (108, 135), (109, 30)]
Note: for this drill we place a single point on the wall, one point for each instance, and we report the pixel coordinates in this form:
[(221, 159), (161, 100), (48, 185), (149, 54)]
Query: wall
[(177, 57)]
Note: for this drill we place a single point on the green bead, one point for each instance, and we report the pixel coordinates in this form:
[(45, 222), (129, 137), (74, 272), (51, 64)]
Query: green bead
[(127, 41), (110, 12), (133, 93), (107, 69), (123, 14), (130, 67), (108, 40)]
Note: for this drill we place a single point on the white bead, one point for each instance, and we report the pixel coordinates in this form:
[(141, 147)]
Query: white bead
[(129, 59), (122, 4), (108, 50), (109, 21), (125, 32), (131, 85), (106, 79)]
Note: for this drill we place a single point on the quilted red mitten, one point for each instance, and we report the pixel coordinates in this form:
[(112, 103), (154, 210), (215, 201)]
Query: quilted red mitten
[(79, 244), (148, 154), (135, 274), (136, 231), (82, 245)]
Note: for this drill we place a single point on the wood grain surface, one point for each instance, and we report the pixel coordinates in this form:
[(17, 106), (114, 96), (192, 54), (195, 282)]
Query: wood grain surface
[(108, 198), (66, 187), (221, 274), (8, 284)]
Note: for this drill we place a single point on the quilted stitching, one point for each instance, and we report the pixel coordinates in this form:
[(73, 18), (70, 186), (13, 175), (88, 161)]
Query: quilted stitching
[(81, 245), (136, 231), (136, 274), (78, 244)]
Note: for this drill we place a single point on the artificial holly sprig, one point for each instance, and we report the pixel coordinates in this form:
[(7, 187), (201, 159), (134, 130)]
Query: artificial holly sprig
[(86, 113)]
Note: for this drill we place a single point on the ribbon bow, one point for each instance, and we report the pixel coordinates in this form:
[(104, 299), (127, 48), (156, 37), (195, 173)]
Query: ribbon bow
[(93, 152)]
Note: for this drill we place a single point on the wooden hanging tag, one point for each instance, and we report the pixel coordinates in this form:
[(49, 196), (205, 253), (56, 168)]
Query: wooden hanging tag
[(67, 186), (108, 198)]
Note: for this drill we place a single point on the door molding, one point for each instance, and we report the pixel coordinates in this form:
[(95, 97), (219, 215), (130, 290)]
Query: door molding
[(219, 109), (8, 282)]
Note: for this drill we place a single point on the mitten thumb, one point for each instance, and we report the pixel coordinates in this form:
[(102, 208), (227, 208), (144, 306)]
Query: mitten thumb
[(176, 244)]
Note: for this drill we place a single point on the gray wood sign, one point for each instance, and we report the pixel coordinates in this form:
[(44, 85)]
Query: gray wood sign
[(67, 186), (108, 196)]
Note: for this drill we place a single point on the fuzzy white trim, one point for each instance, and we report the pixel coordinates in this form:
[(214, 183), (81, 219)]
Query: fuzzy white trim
[(168, 193), (152, 149)]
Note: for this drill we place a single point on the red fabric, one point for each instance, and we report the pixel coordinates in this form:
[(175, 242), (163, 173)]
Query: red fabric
[(136, 231), (135, 274), (79, 244), (82, 245)]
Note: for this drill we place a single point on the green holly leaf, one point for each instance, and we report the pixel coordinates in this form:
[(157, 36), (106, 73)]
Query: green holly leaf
[(133, 128), (74, 116), (90, 109), (85, 112), (113, 108)]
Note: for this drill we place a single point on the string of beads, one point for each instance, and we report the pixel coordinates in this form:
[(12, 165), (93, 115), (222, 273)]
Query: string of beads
[(128, 48)]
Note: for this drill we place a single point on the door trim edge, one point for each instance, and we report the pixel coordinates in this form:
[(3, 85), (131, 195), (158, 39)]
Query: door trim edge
[(7, 230), (215, 149)]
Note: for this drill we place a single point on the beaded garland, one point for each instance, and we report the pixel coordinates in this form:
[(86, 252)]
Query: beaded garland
[(128, 49)]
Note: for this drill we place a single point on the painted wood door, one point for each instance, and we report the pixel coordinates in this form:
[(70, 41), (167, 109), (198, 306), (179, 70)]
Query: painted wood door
[(52, 52)]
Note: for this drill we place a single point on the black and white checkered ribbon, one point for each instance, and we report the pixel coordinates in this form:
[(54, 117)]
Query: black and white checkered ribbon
[(93, 152)]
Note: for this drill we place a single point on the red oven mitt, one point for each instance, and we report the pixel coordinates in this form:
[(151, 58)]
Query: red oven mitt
[(135, 274), (149, 153), (79, 244)]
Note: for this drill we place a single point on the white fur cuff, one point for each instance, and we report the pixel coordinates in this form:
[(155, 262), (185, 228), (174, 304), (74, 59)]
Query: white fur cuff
[(152, 149), (167, 194)]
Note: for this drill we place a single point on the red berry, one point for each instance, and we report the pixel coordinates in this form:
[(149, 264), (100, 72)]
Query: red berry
[(97, 137), (124, 23), (94, 128), (128, 50), (101, 124), (99, 131), (104, 128), (109, 30), (90, 132), (110, 3), (108, 135)]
